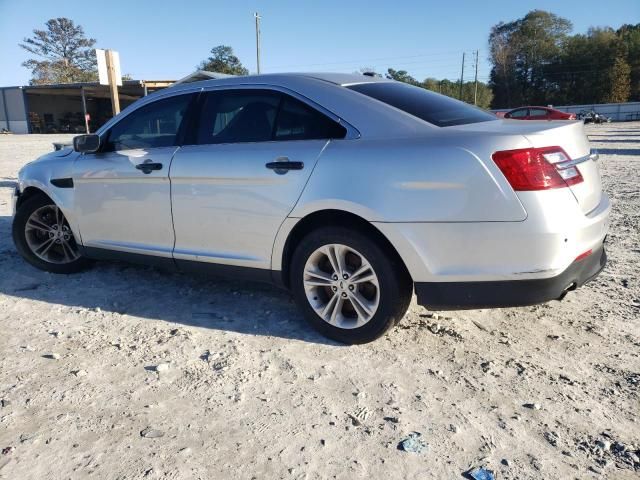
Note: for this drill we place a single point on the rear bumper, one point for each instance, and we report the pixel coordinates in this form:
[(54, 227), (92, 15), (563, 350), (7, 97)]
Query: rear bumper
[(509, 293)]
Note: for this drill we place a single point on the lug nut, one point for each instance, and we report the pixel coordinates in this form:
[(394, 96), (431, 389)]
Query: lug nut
[(335, 277), (335, 289), (351, 287), (344, 294), (345, 276)]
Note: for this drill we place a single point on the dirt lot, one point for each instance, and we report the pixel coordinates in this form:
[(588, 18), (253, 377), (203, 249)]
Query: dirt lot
[(245, 390)]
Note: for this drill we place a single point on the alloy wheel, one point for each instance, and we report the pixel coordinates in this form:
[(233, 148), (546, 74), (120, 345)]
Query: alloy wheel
[(341, 286), (49, 236)]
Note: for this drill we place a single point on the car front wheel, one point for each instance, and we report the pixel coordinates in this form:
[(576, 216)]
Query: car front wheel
[(348, 286), (44, 238)]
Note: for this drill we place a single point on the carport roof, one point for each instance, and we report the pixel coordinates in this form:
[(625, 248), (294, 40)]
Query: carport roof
[(130, 89), (125, 83)]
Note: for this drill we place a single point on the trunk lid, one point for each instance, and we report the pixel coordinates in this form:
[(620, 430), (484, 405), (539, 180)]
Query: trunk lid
[(569, 135)]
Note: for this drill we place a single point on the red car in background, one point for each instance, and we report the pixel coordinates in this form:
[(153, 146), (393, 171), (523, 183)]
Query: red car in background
[(539, 113)]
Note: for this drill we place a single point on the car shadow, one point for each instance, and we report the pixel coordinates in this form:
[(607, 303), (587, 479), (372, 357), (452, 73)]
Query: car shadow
[(146, 292)]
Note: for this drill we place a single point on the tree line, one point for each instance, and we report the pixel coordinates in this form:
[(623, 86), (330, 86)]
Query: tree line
[(536, 61), (482, 95), (64, 54)]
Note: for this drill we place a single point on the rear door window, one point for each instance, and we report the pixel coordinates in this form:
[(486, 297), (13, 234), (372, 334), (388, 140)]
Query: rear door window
[(538, 112), (429, 106), (241, 116), (298, 121)]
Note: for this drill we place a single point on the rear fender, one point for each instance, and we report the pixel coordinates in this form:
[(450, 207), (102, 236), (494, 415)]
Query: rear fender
[(434, 179)]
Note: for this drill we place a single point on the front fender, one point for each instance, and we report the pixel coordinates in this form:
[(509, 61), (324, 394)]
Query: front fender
[(39, 174)]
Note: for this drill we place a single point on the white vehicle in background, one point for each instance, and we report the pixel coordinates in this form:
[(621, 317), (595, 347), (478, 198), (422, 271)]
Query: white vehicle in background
[(351, 191)]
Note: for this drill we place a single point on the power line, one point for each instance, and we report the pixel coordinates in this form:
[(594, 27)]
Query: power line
[(365, 60)]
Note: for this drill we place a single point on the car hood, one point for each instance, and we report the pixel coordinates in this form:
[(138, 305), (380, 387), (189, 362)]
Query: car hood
[(47, 162), (54, 155)]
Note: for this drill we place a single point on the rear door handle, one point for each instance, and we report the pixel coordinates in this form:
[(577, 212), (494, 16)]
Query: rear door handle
[(282, 166), (148, 166)]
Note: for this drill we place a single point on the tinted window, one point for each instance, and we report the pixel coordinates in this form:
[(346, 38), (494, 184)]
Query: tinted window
[(259, 116), (519, 113), (297, 121), (154, 125), (538, 112), (240, 116), (429, 106)]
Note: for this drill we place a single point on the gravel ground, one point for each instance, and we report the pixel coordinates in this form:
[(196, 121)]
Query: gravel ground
[(124, 372)]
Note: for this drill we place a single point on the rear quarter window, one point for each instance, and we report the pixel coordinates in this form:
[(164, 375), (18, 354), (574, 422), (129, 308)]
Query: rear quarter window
[(429, 106)]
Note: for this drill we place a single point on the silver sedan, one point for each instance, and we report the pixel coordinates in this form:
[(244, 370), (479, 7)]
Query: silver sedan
[(351, 191)]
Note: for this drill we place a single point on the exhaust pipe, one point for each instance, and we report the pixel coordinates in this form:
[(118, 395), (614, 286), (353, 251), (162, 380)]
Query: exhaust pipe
[(569, 288)]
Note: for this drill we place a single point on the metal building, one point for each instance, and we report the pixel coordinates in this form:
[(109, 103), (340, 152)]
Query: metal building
[(66, 107)]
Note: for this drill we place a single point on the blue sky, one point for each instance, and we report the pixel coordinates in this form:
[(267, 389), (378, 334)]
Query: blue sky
[(166, 39)]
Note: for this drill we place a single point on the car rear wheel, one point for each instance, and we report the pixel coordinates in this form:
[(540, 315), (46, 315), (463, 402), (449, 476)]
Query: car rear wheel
[(349, 288), (44, 238)]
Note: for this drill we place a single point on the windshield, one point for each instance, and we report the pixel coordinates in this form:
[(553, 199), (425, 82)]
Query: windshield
[(429, 106)]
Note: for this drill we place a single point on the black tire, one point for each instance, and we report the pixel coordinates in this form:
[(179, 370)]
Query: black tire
[(395, 285), (23, 213)]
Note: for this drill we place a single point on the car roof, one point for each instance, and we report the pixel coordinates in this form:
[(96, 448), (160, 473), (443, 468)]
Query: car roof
[(341, 79), (536, 106), (322, 89)]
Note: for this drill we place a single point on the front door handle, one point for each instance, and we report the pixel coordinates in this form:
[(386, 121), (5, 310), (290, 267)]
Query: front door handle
[(148, 166), (282, 166)]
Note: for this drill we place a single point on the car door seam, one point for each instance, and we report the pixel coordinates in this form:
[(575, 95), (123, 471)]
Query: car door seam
[(295, 204), (173, 226)]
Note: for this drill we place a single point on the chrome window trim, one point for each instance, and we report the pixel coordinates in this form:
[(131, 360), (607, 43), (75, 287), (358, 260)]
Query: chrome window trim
[(352, 132)]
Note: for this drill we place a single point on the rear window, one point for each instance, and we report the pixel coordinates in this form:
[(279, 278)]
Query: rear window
[(429, 106)]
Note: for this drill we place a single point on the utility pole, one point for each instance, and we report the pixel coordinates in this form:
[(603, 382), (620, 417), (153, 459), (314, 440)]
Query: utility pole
[(257, 17), (475, 93), (113, 85), (461, 75)]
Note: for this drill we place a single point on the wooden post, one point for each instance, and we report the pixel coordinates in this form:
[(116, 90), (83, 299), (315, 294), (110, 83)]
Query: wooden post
[(113, 86), (84, 110)]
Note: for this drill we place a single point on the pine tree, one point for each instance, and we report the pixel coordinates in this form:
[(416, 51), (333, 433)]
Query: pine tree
[(68, 55), (620, 81)]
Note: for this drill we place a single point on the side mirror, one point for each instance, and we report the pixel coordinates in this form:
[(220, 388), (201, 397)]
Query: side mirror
[(86, 143)]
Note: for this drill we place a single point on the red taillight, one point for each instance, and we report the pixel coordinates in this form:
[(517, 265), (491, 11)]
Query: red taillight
[(528, 169), (584, 255)]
